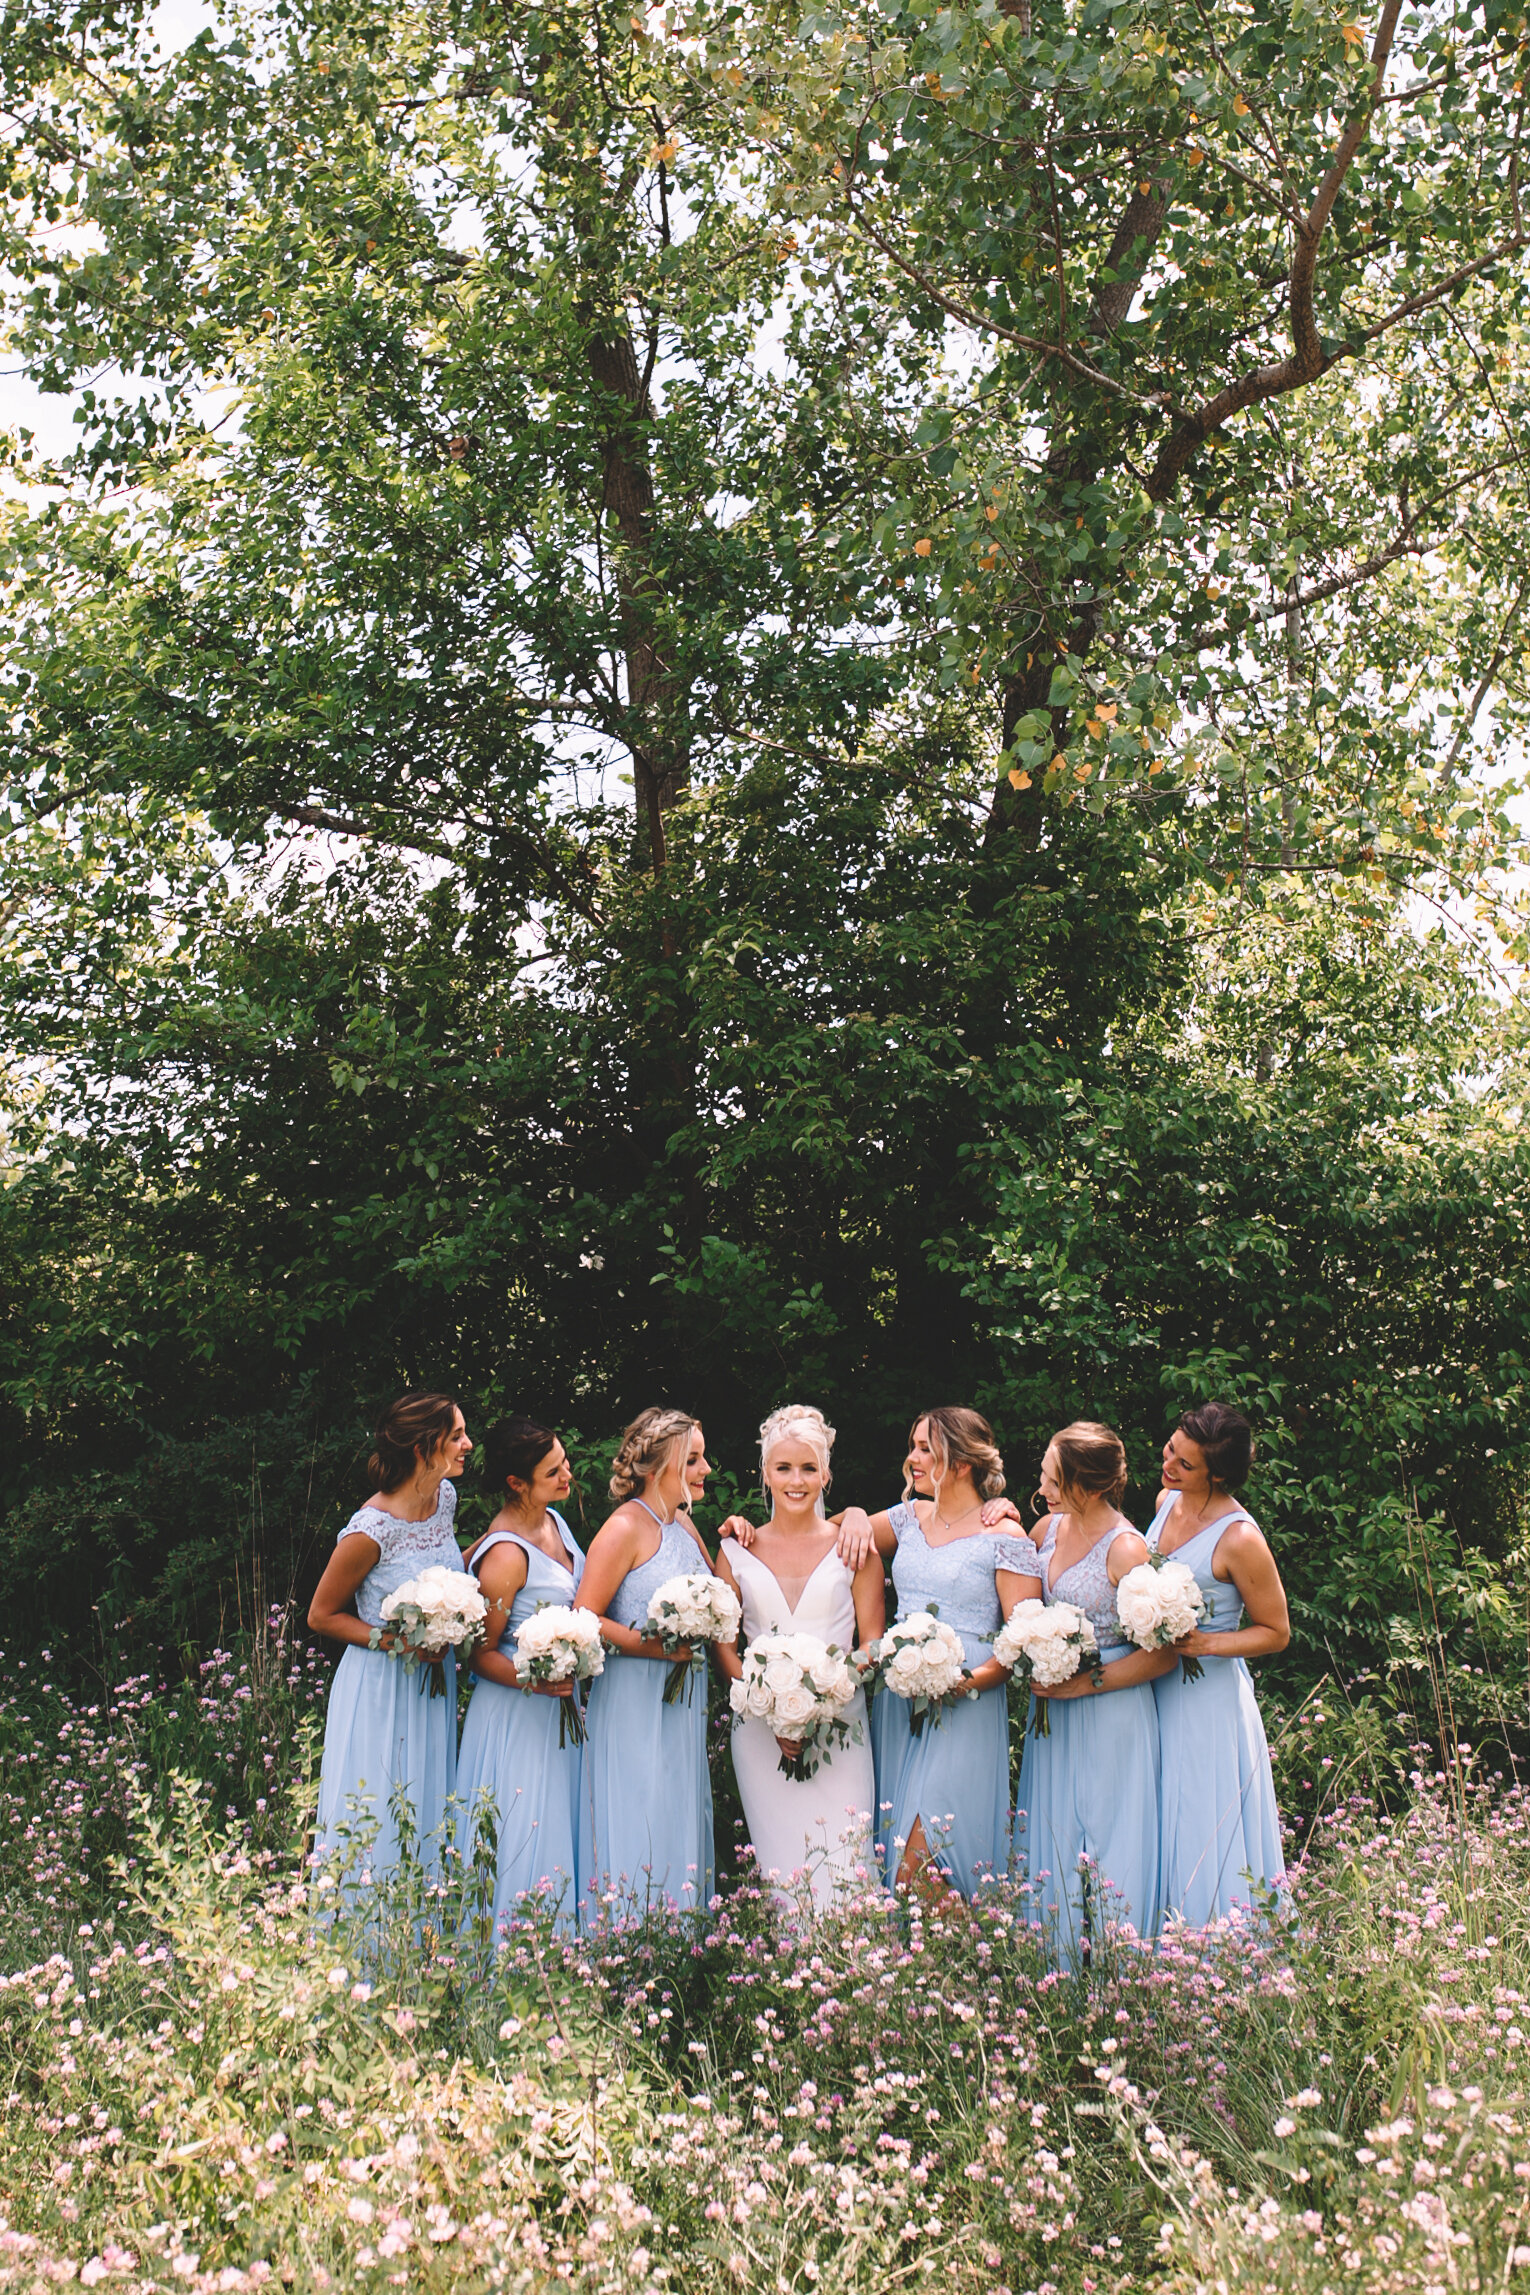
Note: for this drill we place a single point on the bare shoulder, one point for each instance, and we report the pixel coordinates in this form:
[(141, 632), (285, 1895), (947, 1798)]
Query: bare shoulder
[(1243, 1541), (621, 1529), (1128, 1549), (503, 1569)]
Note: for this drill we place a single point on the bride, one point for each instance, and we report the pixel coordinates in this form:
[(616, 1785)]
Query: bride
[(791, 1580)]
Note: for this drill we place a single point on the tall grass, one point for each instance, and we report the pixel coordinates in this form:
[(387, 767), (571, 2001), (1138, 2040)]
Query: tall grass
[(214, 2078)]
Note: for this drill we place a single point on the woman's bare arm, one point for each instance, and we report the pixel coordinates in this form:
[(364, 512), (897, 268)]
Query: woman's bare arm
[(332, 1612)]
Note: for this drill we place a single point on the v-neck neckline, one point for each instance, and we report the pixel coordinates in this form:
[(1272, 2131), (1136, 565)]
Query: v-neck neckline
[(791, 1607), (1115, 1530)]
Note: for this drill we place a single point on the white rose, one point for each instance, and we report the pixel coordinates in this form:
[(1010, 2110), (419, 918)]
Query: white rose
[(795, 1708)]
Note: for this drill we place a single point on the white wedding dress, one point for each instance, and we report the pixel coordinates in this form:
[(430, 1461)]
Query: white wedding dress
[(810, 1834)]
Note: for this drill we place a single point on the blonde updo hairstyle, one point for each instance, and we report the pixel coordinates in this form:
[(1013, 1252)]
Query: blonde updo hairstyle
[(1091, 1460), (961, 1437), (647, 1447), (799, 1422)]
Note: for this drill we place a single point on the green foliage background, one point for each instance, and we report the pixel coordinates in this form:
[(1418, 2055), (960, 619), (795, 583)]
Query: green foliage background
[(755, 704)]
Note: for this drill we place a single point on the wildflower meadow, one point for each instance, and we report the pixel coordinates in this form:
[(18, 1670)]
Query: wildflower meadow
[(218, 2076)]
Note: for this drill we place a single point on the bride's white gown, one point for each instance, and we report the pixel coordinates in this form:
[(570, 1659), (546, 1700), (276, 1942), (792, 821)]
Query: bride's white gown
[(817, 1828)]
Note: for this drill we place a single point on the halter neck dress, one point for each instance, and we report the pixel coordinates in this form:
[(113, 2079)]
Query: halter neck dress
[(646, 1813), (1221, 1827), (954, 1776), (511, 1770), (1088, 1801), (815, 1829), (385, 1736)]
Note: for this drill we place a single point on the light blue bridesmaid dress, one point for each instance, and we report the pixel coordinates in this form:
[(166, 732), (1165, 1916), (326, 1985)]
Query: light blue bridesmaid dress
[(954, 1775), (510, 1753), (1088, 1802), (646, 1820), (1217, 1796), (384, 1735)]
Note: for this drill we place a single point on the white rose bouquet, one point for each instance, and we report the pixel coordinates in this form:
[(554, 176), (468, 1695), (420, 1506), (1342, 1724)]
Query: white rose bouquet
[(799, 1687), (1159, 1602), (923, 1660), (686, 1611), (1046, 1643), (560, 1644), (440, 1610)]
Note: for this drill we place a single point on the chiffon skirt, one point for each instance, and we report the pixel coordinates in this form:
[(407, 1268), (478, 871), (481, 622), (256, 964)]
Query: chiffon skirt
[(953, 1778), (1221, 1828), (887, 1729), (510, 1754), (1087, 1817), (817, 1827), (646, 1807), (386, 1742)]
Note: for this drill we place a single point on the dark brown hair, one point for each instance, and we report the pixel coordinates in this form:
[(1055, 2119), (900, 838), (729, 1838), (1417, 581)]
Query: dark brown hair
[(1091, 1459), (961, 1437), (1225, 1438), (408, 1431), (514, 1449)]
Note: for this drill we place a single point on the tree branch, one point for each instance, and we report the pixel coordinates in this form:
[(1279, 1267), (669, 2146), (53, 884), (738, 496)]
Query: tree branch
[(1484, 686), (1306, 361)]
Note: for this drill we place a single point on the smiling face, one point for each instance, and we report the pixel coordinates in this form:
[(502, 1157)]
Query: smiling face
[(550, 1484), (697, 1465), (793, 1477), (1049, 1482), (450, 1455), (666, 1490), (1184, 1466), (923, 1465)]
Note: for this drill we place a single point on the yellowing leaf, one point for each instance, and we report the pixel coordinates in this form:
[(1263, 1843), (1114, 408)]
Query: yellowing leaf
[(1019, 780), (922, 547), (1240, 107)]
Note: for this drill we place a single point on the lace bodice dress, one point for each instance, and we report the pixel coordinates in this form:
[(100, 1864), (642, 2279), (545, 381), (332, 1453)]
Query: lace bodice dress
[(385, 1737), (407, 1548), (1087, 1817)]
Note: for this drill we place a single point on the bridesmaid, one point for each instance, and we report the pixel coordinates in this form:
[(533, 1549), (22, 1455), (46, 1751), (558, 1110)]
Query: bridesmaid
[(1221, 1829), (384, 1736), (512, 1768), (790, 1580), (945, 1793), (646, 1822), (1089, 1791)]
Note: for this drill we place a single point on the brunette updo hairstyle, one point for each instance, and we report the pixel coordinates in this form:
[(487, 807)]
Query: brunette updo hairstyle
[(647, 1446), (961, 1437), (513, 1450), (1091, 1460), (1225, 1438), (408, 1431)]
